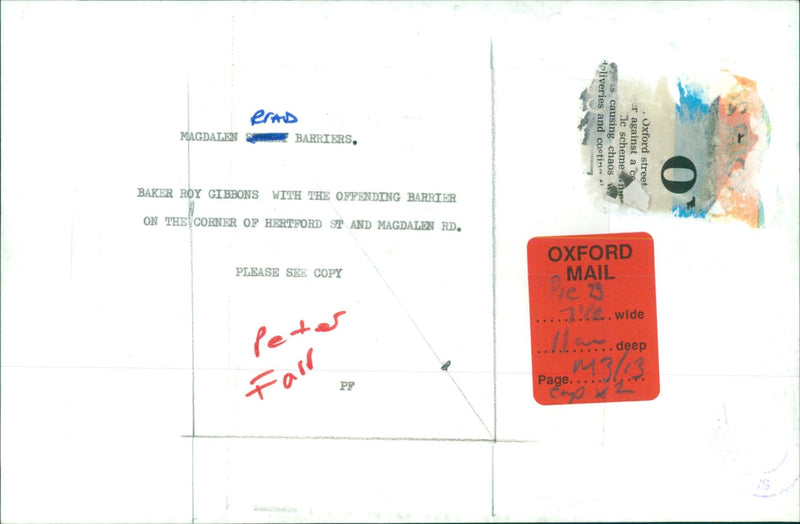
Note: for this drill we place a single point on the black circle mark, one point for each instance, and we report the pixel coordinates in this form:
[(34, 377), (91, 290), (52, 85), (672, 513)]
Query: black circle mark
[(678, 186)]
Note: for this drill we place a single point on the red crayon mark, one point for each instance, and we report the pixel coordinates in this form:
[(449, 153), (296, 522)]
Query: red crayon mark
[(327, 327), (278, 340), (261, 332), (302, 329), (275, 341), (261, 386), (289, 378), (309, 363)]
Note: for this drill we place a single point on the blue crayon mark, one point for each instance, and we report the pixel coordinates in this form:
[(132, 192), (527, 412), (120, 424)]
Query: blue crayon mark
[(692, 105), (681, 210), (267, 137), (768, 122)]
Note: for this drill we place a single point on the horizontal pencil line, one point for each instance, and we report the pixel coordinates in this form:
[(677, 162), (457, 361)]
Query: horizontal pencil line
[(432, 371), (352, 438), (334, 437)]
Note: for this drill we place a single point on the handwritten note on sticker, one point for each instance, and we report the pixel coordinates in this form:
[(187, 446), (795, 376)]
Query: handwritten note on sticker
[(593, 318)]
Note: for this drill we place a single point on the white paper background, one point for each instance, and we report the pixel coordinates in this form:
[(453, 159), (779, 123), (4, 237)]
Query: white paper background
[(97, 327)]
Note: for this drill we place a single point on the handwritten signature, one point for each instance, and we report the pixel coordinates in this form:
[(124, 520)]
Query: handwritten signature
[(260, 117), (278, 340)]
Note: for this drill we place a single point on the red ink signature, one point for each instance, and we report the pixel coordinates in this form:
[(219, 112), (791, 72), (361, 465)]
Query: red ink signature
[(274, 342), (288, 378), (277, 340)]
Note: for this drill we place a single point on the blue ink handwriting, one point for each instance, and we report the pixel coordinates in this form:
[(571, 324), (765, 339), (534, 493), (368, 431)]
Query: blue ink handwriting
[(260, 117)]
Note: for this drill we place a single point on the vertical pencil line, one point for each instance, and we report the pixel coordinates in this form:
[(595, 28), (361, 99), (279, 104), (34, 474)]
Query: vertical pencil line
[(494, 269), (494, 249), (493, 511), (191, 275)]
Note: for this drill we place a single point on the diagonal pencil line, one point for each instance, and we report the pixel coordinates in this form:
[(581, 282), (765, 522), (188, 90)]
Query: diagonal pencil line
[(403, 307), (414, 323), (469, 403)]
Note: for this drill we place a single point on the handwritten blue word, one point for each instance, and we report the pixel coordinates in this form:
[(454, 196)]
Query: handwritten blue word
[(286, 118), (267, 137)]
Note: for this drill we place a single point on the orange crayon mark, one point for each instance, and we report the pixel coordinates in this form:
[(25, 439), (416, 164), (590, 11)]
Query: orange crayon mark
[(739, 151)]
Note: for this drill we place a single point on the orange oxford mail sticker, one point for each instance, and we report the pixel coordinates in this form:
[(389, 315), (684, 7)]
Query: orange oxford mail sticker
[(593, 318)]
